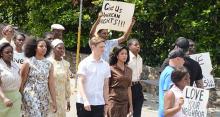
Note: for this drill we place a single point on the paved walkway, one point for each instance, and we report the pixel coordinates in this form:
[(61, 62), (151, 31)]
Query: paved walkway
[(149, 107), (147, 111)]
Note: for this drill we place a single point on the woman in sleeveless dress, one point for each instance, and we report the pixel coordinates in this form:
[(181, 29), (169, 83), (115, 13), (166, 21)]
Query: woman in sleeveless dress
[(173, 99), (37, 80)]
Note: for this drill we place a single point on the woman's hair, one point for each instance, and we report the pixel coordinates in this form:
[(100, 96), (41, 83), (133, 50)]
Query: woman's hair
[(19, 34), (3, 46), (178, 74), (6, 28), (31, 46), (115, 52)]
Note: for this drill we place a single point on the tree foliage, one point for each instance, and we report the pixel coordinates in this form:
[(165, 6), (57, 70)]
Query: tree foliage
[(159, 23)]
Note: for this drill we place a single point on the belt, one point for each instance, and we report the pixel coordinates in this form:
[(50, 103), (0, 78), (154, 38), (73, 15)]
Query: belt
[(135, 82)]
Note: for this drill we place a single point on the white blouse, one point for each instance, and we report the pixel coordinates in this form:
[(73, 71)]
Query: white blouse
[(10, 78)]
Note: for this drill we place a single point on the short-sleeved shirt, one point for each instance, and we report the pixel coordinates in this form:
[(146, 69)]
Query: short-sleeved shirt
[(194, 70), (18, 58), (95, 72), (109, 45), (192, 66), (164, 85)]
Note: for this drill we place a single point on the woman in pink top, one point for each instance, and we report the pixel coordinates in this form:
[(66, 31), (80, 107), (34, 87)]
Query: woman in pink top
[(173, 99)]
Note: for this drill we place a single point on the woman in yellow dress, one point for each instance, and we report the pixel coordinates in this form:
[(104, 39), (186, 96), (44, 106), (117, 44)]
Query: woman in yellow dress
[(62, 76)]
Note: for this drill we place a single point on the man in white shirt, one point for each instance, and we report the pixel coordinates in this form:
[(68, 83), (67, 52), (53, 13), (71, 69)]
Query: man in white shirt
[(109, 43), (57, 31), (136, 64), (93, 73)]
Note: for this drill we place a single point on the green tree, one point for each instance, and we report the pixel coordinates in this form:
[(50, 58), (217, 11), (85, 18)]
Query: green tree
[(159, 23)]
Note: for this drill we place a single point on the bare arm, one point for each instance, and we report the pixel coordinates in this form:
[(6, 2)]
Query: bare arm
[(106, 89), (82, 89), (199, 84), (51, 85), (83, 93), (2, 95), (93, 29), (130, 97), (126, 34), (24, 75), (67, 86), (169, 100), (7, 102)]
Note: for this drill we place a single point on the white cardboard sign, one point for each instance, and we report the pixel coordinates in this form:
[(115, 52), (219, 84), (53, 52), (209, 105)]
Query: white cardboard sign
[(195, 102), (116, 16), (205, 62)]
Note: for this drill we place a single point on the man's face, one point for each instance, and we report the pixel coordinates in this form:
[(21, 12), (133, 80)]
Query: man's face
[(135, 47), (58, 34), (99, 48), (103, 34), (192, 48), (49, 37)]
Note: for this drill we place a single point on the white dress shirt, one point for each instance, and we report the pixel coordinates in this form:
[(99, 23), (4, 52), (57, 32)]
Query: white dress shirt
[(95, 73), (135, 64)]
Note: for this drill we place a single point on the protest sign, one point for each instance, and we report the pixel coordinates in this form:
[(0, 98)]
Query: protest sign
[(116, 16), (195, 102), (205, 62)]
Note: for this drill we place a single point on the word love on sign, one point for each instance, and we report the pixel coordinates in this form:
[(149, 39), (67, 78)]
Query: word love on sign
[(205, 62), (116, 15), (195, 102)]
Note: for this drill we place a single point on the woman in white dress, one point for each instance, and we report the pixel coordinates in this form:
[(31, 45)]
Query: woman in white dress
[(10, 103), (173, 99)]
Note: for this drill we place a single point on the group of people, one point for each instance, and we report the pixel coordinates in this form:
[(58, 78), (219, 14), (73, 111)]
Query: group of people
[(178, 71), (34, 81), (109, 78)]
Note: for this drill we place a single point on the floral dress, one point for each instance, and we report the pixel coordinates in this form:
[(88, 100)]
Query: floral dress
[(36, 91)]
